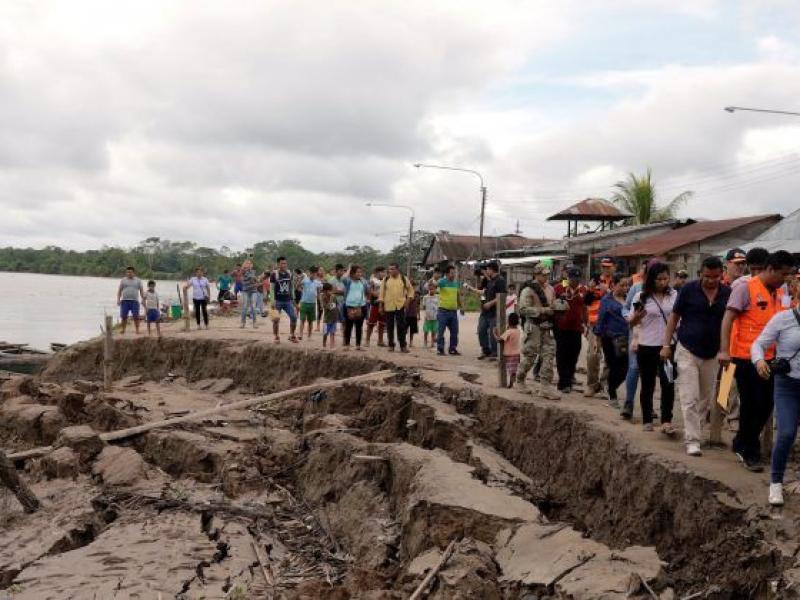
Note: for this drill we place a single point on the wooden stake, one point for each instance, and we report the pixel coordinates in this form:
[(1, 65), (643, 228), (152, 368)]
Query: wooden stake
[(112, 436), (10, 478), (501, 327), (429, 577), (186, 321), (108, 354)]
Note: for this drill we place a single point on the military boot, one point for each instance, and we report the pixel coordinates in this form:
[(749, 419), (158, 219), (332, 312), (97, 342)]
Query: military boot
[(548, 392)]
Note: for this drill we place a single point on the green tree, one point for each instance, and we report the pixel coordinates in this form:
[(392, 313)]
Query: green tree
[(637, 195)]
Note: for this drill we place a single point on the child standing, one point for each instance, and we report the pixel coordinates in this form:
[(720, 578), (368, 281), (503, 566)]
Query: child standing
[(511, 339), (309, 295), (430, 305), (330, 315), (152, 307), (412, 316)]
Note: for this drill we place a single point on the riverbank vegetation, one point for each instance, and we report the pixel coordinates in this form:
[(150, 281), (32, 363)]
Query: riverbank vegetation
[(166, 259)]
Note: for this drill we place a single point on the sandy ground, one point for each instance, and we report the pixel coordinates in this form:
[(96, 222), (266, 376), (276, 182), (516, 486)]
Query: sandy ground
[(716, 463), (362, 487)]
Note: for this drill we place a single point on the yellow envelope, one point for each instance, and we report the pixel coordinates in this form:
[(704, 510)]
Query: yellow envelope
[(725, 384)]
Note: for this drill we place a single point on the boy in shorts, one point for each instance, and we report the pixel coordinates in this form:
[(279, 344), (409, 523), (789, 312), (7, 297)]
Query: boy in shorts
[(376, 316), (330, 315), (152, 308), (430, 306), (309, 295)]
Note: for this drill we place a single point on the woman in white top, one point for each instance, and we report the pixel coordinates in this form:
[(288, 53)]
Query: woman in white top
[(652, 308), (201, 292)]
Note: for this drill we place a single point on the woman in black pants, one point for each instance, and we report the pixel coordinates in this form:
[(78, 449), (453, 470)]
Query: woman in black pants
[(652, 308), (201, 292), (355, 301), (613, 330)]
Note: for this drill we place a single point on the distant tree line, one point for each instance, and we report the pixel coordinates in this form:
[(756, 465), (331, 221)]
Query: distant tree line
[(166, 259)]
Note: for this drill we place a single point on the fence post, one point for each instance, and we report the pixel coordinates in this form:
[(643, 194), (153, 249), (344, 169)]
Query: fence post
[(108, 353), (186, 320), (501, 327)]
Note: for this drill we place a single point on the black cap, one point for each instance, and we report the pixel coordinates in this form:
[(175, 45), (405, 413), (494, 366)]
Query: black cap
[(736, 255), (573, 272)]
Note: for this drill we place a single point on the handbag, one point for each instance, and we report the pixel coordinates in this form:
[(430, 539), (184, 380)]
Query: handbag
[(354, 313), (783, 366), (621, 344)]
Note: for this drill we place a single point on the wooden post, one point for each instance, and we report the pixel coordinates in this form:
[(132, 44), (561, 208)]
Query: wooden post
[(10, 478), (501, 327), (108, 354), (717, 418), (186, 320)]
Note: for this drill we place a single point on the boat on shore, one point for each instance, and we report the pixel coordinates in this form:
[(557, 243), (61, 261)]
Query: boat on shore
[(20, 358)]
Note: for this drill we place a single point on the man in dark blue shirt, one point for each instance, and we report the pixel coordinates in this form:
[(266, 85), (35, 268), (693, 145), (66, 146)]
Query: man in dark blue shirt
[(282, 298), (697, 315)]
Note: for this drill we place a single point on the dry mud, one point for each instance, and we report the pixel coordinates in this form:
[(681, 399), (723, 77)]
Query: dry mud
[(353, 492)]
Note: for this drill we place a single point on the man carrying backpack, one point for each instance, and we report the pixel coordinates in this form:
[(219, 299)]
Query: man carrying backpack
[(396, 292)]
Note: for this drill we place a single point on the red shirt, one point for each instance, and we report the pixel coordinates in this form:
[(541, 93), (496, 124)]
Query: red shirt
[(572, 319)]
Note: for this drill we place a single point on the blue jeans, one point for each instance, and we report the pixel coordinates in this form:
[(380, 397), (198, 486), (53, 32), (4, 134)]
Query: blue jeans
[(447, 319), (259, 302), (288, 307), (486, 325), (787, 411), (248, 304), (631, 382)]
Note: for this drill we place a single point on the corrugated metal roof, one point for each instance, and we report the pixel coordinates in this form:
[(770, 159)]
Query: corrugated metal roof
[(784, 235), (675, 238), (465, 247), (591, 209)]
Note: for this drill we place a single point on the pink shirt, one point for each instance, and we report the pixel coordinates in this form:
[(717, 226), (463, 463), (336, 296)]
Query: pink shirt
[(511, 338)]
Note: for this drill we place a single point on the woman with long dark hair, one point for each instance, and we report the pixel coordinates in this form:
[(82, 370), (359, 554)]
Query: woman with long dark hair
[(652, 309), (613, 331), (355, 302)]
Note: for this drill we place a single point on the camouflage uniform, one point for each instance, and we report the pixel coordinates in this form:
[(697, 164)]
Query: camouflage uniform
[(538, 340)]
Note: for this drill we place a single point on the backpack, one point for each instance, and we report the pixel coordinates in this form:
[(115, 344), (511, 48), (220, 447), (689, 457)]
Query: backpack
[(539, 291)]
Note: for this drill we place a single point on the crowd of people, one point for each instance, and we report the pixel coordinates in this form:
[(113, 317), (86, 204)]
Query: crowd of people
[(637, 331), (656, 327)]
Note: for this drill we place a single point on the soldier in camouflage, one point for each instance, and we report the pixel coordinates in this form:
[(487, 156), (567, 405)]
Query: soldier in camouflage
[(538, 304)]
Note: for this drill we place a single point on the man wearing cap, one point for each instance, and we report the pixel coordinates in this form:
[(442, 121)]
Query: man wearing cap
[(536, 305), (681, 278), (569, 327), (607, 269), (735, 260), (494, 284)]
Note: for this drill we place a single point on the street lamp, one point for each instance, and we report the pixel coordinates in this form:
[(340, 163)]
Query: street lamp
[(410, 230), (731, 109), (483, 195)]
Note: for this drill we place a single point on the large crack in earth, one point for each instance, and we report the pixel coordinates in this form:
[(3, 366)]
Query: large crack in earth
[(357, 491)]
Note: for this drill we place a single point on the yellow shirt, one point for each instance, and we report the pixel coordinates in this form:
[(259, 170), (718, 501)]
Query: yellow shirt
[(394, 292)]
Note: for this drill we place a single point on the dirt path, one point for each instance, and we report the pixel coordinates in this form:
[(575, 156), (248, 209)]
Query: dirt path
[(355, 492)]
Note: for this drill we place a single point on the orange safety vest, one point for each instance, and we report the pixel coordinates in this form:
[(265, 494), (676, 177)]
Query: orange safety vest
[(750, 323)]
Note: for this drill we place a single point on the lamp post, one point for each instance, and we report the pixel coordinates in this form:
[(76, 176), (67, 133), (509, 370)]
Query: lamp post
[(732, 109), (410, 230), (483, 195)]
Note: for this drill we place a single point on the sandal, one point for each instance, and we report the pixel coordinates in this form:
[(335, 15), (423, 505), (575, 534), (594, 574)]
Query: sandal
[(668, 430)]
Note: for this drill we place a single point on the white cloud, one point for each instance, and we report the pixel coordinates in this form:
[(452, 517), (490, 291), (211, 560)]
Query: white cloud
[(229, 124)]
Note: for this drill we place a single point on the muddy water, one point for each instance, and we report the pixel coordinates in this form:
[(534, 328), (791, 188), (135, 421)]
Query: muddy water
[(40, 309)]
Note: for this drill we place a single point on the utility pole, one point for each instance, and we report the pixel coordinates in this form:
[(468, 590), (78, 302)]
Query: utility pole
[(483, 213), (410, 231), (483, 196)]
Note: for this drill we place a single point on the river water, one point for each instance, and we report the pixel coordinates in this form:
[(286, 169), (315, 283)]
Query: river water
[(40, 309)]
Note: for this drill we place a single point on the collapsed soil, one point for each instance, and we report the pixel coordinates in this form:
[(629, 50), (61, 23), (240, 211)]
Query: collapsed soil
[(354, 492)]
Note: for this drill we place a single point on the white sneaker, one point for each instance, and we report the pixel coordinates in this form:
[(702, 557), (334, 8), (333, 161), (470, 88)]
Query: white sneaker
[(693, 449), (776, 494)]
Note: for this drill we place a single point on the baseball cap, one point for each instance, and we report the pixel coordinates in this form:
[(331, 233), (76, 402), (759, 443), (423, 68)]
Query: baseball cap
[(573, 272), (682, 273), (607, 261), (541, 270), (736, 255)]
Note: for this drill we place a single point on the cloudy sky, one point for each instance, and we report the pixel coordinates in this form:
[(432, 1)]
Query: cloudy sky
[(227, 123)]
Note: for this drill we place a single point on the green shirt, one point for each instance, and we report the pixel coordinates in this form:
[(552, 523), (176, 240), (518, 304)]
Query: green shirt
[(448, 294), (224, 283)]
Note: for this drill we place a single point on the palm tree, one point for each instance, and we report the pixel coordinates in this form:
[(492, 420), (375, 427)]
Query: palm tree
[(637, 195)]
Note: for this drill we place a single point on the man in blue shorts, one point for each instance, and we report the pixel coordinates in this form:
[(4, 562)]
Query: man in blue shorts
[(129, 293), (283, 298)]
